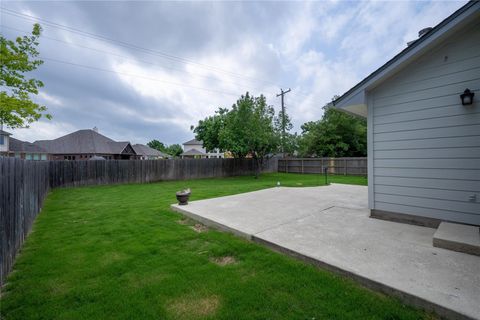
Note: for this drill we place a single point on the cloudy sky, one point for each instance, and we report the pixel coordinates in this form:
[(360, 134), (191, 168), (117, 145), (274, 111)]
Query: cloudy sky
[(149, 70)]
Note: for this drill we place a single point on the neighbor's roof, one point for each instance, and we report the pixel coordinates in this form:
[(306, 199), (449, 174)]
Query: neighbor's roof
[(16, 145), (193, 152), (83, 141), (144, 150), (5, 133), (417, 47), (194, 141)]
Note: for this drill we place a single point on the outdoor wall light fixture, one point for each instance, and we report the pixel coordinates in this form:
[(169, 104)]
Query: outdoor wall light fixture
[(467, 97)]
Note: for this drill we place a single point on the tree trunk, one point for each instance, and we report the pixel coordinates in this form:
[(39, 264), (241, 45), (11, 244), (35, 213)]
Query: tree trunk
[(258, 168)]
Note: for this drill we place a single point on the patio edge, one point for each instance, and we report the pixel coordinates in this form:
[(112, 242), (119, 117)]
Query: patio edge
[(404, 297)]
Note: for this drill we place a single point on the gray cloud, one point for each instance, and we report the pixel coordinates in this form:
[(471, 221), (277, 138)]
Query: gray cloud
[(319, 49)]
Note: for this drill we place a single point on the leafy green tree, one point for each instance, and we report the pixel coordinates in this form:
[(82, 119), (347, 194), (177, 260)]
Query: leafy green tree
[(291, 143), (249, 130), (174, 150), (337, 134), (18, 57), (246, 130), (288, 141), (208, 130), (157, 145)]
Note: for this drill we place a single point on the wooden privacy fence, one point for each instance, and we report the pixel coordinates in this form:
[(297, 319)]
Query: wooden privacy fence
[(345, 166), (82, 173), (24, 185)]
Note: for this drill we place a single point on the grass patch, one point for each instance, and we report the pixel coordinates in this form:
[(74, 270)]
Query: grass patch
[(119, 252)]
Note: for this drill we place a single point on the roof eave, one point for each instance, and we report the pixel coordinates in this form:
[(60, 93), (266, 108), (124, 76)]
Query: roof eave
[(354, 100)]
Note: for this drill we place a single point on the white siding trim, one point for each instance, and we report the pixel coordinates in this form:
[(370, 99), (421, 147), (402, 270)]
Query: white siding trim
[(370, 152)]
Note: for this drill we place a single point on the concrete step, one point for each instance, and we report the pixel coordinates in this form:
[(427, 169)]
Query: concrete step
[(458, 237)]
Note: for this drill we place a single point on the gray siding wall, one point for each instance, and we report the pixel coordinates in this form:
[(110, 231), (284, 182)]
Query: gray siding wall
[(424, 145)]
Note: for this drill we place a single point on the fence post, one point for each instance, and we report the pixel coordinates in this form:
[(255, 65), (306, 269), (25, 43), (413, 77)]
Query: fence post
[(302, 166), (345, 171)]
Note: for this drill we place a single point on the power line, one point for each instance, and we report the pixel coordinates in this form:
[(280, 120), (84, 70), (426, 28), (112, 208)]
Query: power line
[(136, 76), (134, 60), (128, 45), (135, 47), (312, 103), (138, 48)]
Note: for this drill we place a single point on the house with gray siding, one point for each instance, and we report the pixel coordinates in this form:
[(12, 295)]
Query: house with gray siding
[(194, 149), (423, 139)]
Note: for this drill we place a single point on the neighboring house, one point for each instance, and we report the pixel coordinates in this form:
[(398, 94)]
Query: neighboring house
[(85, 144), (4, 142), (195, 149), (11, 147), (423, 142), (147, 153)]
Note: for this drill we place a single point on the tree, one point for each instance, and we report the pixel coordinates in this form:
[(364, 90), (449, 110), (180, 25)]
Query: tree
[(291, 143), (17, 58), (337, 134), (174, 150), (245, 130), (208, 130), (157, 145), (288, 141)]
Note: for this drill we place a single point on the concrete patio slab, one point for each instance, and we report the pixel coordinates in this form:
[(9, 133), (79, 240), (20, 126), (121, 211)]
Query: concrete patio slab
[(458, 237), (330, 227)]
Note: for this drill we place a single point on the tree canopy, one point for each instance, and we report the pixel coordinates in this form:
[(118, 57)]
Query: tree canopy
[(174, 150), (247, 129), (17, 58), (337, 134), (157, 145)]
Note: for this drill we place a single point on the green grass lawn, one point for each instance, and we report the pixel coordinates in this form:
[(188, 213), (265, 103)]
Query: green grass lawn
[(119, 252)]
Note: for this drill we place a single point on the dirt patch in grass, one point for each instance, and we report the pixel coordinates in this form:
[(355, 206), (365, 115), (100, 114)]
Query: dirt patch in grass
[(112, 257), (184, 221), (57, 288), (198, 227), (223, 261), (193, 307)]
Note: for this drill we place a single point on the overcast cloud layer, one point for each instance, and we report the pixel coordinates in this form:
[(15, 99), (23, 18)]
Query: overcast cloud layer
[(203, 55)]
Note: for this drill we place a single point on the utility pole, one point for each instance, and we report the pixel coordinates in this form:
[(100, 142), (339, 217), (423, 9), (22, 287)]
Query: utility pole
[(282, 94)]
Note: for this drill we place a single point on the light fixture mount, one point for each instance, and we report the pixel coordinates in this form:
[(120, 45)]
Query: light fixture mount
[(467, 97)]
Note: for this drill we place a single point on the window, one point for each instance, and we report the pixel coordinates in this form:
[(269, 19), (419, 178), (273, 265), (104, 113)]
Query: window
[(18, 155), (28, 156), (43, 157), (36, 157), (2, 140)]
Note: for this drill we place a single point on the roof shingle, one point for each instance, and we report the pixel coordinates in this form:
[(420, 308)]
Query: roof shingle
[(81, 142)]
